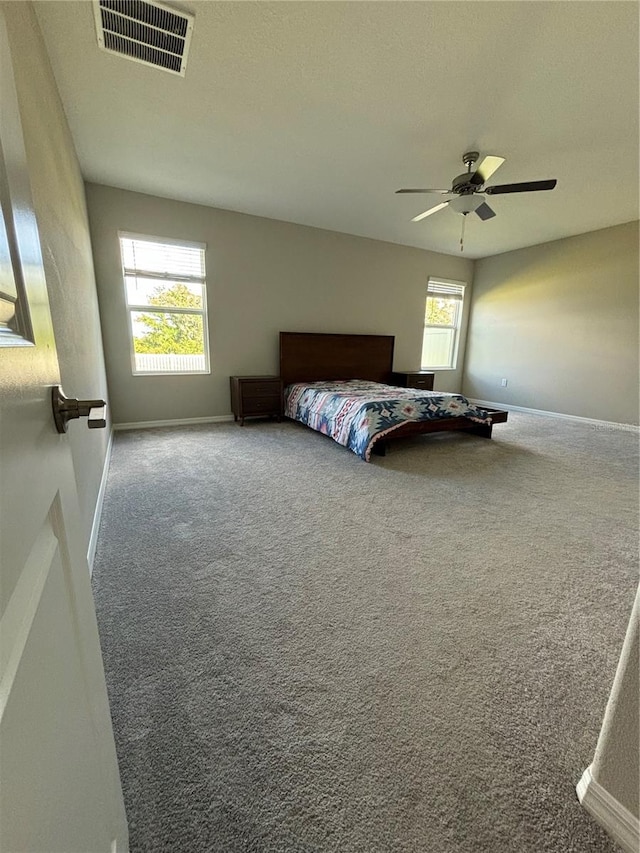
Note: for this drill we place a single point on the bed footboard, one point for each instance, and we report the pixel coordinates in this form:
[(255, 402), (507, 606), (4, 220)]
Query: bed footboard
[(421, 427)]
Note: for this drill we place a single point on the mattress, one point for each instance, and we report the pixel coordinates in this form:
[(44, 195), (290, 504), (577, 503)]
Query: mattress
[(357, 413)]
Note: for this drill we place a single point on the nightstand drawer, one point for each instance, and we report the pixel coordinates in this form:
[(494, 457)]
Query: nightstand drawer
[(261, 405), (260, 388), (422, 382)]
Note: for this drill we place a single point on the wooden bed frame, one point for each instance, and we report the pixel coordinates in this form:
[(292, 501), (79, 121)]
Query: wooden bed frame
[(314, 357)]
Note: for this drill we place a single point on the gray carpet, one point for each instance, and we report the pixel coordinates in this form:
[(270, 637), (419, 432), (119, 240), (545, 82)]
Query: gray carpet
[(306, 652)]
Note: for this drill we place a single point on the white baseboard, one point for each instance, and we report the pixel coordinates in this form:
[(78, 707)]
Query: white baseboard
[(97, 514), (618, 821), (214, 419), (602, 425)]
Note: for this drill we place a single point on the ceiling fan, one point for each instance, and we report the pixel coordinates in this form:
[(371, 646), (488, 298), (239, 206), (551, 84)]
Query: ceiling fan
[(470, 191)]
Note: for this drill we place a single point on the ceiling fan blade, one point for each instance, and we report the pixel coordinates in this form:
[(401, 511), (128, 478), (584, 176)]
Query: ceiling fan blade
[(488, 167), (526, 187), (441, 192), (430, 211), (485, 212)]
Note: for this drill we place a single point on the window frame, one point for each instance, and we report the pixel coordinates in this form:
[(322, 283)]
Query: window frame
[(455, 327), (156, 309)]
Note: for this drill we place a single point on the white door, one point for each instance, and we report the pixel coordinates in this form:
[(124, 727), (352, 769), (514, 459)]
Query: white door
[(60, 788)]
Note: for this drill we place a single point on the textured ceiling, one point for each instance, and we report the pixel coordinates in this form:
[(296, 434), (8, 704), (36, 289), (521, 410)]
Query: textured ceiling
[(315, 112)]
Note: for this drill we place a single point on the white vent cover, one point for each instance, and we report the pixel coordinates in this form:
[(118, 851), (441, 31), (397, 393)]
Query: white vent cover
[(147, 32)]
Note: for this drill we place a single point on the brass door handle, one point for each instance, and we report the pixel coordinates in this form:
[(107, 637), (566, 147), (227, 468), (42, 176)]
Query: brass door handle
[(66, 409)]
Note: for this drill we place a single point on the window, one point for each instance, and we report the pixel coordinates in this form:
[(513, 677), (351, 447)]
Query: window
[(442, 323), (166, 297)]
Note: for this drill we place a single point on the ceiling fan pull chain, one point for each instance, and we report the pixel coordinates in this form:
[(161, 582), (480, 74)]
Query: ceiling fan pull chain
[(464, 219)]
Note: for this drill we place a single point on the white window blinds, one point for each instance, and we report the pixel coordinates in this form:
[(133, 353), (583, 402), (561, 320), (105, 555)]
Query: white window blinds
[(162, 259), (445, 290)]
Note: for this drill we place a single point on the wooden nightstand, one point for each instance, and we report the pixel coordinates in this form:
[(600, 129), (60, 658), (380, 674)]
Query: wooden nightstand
[(421, 379), (256, 396)]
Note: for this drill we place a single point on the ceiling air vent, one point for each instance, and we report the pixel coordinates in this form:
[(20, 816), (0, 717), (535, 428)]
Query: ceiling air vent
[(150, 33)]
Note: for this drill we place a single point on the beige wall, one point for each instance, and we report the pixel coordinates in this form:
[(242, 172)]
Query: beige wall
[(559, 321), (59, 202), (264, 276)]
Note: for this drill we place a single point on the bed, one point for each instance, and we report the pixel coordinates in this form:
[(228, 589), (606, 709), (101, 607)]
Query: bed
[(340, 385)]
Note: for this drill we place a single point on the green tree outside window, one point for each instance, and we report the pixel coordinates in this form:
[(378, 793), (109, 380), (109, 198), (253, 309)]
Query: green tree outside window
[(174, 333), (441, 312)]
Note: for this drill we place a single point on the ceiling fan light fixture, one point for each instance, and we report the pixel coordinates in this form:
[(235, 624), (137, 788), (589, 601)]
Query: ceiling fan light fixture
[(466, 203)]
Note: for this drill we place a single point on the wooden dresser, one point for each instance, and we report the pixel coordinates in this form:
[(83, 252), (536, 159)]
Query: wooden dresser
[(421, 379), (256, 396)]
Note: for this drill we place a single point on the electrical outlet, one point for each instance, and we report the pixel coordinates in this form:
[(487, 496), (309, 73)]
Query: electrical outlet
[(504, 383)]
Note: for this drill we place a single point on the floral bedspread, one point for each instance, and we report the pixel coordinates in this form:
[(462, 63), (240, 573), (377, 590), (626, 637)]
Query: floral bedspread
[(357, 413)]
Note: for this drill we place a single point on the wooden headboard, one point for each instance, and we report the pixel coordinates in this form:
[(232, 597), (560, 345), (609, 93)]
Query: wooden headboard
[(312, 357)]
